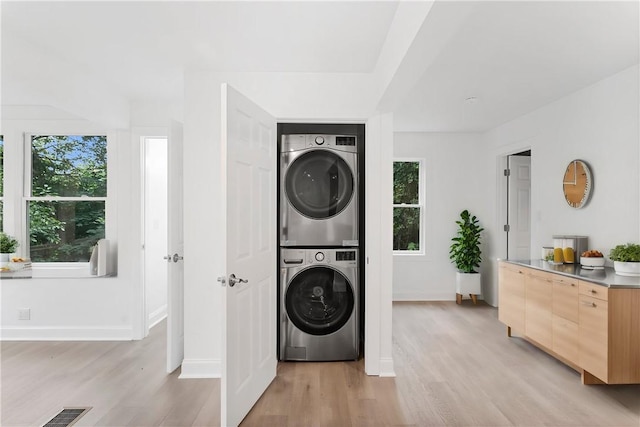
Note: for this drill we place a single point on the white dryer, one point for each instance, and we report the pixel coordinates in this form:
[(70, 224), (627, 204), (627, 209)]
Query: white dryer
[(318, 190), (319, 300)]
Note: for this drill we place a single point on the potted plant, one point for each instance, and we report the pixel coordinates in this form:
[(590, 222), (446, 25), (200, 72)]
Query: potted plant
[(465, 253), (8, 246), (626, 259)]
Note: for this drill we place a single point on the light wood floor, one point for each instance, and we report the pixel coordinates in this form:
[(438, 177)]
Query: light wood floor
[(454, 365)]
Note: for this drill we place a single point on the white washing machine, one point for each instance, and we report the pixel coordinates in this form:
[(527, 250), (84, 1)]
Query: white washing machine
[(319, 304), (318, 190)]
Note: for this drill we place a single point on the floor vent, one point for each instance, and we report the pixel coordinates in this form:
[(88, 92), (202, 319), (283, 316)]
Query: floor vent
[(67, 417)]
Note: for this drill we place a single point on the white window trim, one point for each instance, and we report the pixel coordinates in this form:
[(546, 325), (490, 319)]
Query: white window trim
[(63, 269), (421, 204)]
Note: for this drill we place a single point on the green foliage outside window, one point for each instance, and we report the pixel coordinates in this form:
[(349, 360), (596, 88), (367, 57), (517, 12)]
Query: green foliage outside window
[(1, 179), (406, 219), (67, 166)]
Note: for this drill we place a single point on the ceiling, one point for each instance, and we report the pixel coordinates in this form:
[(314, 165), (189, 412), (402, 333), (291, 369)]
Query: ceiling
[(512, 56)]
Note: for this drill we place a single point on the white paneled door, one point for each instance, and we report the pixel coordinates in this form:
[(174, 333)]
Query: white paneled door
[(175, 246), (519, 210), (249, 303)]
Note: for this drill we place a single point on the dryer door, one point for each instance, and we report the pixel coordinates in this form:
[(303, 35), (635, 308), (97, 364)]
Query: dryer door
[(319, 184), (319, 300)]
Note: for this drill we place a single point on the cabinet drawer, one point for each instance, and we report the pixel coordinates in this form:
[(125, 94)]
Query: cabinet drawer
[(593, 336), (593, 290), (565, 339)]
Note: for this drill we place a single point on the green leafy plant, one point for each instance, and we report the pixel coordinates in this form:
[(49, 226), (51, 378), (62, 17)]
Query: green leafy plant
[(465, 250), (625, 253), (8, 244)]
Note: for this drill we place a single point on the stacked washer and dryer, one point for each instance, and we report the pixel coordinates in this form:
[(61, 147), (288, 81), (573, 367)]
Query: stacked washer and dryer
[(319, 259)]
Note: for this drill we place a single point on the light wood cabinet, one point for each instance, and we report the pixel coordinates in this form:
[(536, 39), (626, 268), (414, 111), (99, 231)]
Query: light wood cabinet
[(564, 306), (593, 328), (538, 318), (511, 296)]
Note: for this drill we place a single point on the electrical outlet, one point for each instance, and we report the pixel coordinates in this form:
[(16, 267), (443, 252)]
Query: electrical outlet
[(24, 314)]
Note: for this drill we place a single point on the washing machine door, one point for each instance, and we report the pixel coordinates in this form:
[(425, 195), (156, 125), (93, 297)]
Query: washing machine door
[(319, 184), (319, 300)]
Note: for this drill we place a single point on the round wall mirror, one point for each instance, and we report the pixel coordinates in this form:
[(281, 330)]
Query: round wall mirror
[(577, 184)]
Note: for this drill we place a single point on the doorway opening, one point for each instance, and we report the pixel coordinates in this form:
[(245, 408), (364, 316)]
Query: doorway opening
[(154, 214), (518, 209)]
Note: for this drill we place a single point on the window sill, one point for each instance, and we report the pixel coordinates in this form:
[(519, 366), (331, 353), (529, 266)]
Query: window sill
[(63, 271)]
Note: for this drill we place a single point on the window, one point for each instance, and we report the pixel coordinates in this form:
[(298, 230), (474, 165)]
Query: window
[(65, 196), (1, 181), (407, 206)]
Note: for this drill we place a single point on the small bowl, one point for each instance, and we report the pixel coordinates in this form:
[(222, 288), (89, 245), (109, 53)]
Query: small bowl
[(592, 261)]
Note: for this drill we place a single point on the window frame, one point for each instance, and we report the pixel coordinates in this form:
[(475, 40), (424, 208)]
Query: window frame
[(420, 205), (64, 268)]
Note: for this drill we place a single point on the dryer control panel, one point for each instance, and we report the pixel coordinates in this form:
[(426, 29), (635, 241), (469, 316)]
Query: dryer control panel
[(346, 143)]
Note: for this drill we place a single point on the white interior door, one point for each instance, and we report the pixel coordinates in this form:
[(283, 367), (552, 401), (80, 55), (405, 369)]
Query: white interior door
[(249, 306), (175, 245), (519, 208)]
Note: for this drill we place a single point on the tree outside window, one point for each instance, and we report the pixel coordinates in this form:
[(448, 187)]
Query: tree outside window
[(67, 195), (407, 206), (1, 181)]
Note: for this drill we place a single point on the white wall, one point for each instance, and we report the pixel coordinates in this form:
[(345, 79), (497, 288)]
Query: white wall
[(78, 308), (598, 124), (455, 166)]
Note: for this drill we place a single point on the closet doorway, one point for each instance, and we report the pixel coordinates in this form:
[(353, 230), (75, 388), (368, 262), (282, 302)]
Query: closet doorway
[(154, 190)]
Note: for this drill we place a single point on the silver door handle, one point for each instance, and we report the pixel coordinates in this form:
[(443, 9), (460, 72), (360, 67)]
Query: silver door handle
[(167, 257), (177, 258), (233, 280)]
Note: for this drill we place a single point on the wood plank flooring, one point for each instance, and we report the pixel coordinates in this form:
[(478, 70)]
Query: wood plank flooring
[(455, 367), (124, 382)]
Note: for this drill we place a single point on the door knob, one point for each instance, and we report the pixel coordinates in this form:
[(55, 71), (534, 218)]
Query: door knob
[(177, 258), (233, 280)]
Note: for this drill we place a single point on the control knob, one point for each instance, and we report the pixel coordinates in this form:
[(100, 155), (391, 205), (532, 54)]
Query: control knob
[(319, 140), (319, 256)]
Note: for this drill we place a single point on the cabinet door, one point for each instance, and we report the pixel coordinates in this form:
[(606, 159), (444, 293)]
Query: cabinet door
[(593, 336), (538, 298), (511, 296), (565, 298), (565, 338)]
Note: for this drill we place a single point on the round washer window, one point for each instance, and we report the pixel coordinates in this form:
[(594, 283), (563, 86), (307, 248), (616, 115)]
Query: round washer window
[(319, 300), (319, 184)]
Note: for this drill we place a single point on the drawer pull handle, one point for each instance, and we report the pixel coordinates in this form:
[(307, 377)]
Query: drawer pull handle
[(589, 304)]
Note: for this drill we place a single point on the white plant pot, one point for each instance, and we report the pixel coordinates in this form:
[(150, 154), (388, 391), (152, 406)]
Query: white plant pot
[(468, 283), (4, 258), (627, 268)]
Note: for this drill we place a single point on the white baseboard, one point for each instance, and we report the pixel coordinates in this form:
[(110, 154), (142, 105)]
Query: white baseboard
[(157, 316), (66, 334), (386, 367), (423, 296), (201, 368)]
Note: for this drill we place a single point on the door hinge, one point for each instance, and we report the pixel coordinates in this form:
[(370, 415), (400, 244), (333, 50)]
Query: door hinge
[(507, 172), (507, 228)]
